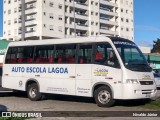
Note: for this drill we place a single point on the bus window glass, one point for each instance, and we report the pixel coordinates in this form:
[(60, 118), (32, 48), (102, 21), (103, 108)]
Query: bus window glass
[(131, 56), (44, 54), (105, 55), (65, 53), (11, 55), (84, 54)]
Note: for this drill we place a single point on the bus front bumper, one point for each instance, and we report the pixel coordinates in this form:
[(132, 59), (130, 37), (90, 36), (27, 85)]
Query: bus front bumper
[(135, 91)]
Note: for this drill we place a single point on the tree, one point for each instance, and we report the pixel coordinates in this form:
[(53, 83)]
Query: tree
[(156, 46)]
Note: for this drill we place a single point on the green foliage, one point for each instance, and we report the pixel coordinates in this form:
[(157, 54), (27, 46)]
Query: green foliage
[(10, 118), (152, 105), (156, 46)]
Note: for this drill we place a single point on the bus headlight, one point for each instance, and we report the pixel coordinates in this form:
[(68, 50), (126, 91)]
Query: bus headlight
[(132, 81)]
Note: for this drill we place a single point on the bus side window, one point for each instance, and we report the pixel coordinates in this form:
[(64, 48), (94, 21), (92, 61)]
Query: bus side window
[(11, 55), (105, 55), (84, 54), (28, 54), (44, 54), (65, 53)]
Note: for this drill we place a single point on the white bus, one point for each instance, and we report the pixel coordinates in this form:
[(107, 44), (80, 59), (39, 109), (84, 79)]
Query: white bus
[(106, 68)]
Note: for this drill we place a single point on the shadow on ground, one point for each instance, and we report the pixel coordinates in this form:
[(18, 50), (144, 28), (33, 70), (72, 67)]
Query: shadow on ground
[(3, 108), (125, 103)]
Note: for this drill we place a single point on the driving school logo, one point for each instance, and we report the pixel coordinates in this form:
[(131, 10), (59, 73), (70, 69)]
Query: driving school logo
[(100, 72), (146, 77)]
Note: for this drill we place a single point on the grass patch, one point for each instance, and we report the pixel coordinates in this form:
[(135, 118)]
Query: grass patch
[(152, 105)]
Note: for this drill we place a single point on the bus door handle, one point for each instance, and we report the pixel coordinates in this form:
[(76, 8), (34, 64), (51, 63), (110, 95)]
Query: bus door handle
[(37, 75), (72, 76)]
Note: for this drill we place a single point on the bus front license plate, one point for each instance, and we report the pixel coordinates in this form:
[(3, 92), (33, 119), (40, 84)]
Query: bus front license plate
[(148, 95)]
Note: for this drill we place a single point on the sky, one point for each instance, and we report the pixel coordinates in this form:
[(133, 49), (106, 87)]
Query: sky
[(146, 21)]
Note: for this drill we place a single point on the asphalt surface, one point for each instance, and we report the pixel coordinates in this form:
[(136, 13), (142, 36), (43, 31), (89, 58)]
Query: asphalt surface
[(61, 103)]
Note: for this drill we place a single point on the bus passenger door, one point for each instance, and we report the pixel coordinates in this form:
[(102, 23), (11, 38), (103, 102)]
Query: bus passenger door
[(83, 70)]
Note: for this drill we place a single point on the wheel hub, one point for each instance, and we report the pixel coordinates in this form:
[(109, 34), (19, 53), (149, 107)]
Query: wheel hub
[(104, 96)]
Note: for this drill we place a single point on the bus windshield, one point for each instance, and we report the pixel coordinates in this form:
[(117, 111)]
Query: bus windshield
[(132, 57)]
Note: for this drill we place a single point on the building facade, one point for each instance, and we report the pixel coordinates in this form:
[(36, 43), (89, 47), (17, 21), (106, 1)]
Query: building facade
[(45, 19)]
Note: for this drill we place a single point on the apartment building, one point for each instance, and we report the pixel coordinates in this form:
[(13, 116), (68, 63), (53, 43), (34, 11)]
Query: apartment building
[(45, 19)]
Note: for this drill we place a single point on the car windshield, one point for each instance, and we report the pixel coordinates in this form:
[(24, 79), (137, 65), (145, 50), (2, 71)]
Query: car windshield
[(131, 56), (156, 75)]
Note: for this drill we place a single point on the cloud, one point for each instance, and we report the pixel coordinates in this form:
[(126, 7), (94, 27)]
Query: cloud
[(145, 43), (148, 28)]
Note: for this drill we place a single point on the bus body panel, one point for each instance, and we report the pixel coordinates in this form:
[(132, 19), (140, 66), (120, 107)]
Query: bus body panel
[(59, 78), (77, 79), (105, 75), (83, 80)]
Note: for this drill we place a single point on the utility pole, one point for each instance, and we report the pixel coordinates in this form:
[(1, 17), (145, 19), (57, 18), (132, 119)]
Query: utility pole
[(74, 18), (23, 20)]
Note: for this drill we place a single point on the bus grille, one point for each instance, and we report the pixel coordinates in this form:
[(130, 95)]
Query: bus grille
[(146, 82)]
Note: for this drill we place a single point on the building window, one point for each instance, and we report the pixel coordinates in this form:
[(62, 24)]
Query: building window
[(92, 23), (9, 11), (92, 33), (122, 19), (44, 25), (92, 12), (126, 11), (51, 15), (92, 2), (51, 4), (15, 10), (60, 6), (60, 17), (127, 20), (44, 13), (127, 29), (15, 20), (51, 27)]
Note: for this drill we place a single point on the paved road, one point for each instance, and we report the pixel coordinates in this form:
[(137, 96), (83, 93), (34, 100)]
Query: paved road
[(19, 102)]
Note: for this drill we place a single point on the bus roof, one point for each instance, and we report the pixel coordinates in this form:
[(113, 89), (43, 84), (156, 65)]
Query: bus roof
[(61, 41)]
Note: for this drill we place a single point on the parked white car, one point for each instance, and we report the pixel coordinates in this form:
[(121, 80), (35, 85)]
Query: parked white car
[(157, 80)]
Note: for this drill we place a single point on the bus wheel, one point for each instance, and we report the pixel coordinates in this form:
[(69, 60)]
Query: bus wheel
[(33, 92), (103, 97)]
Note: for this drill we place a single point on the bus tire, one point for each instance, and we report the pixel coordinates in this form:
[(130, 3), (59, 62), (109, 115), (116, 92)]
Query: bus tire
[(103, 97), (33, 92)]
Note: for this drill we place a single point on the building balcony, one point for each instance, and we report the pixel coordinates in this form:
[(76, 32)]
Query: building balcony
[(77, 5), (30, 33), (30, 11), (77, 26), (30, 1), (77, 15), (104, 30), (102, 11), (29, 22), (106, 2), (108, 22)]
